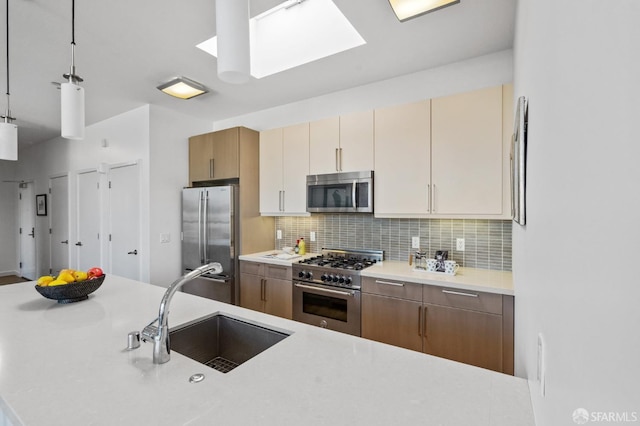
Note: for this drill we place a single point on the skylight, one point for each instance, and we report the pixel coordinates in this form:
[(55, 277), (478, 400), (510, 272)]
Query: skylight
[(295, 33)]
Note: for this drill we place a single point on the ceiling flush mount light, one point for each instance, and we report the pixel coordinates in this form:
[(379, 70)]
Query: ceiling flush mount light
[(183, 88), (407, 9), (8, 130), (72, 94), (232, 26)]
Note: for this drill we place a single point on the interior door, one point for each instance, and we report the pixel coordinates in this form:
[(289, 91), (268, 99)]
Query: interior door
[(88, 225), (59, 223), (27, 204), (124, 221)]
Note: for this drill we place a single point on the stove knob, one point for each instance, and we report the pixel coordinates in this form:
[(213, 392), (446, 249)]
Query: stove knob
[(309, 275), (335, 278), (301, 274), (324, 277), (341, 280), (347, 280)]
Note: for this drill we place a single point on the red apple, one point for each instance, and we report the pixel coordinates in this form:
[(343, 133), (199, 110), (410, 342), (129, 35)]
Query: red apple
[(94, 273)]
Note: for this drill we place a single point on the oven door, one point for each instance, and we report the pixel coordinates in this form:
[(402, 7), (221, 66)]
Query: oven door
[(327, 307)]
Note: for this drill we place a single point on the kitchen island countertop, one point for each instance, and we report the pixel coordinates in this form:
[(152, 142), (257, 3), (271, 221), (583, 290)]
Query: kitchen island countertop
[(67, 365)]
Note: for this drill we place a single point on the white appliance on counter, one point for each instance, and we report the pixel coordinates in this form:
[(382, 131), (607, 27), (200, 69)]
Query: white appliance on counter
[(209, 230)]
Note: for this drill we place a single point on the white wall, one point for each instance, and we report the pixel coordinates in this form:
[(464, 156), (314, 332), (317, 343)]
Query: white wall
[(574, 262), (155, 138), (169, 159), (484, 71)]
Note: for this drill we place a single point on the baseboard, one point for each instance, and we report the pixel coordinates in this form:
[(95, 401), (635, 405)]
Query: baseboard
[(7, 273)]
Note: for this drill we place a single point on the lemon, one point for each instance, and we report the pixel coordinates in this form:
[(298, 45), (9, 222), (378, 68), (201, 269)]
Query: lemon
[(45, 280), (80, 275), (57, 282), (66, 277), (69, 271)]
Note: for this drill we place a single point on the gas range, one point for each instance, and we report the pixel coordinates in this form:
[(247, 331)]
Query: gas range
[(336, 267)]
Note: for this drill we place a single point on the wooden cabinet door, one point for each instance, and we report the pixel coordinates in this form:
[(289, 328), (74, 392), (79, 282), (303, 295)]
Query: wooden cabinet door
[(279, 297), (356, 142), (295, 160), (393, 321), (271, 171), (462, 335), (402, 160), (225, 154), (251, 292), (467, 153), (200, 158), (324, 142)]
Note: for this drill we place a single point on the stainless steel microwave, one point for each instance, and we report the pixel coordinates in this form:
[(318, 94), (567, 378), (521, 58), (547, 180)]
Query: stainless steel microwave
[(350, 192)]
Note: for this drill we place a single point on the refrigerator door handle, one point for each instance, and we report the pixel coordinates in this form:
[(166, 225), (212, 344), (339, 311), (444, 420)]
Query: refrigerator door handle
[(200, 254), (205, 226)]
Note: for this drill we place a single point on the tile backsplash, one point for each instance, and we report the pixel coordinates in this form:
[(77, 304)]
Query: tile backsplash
[(487, 242)]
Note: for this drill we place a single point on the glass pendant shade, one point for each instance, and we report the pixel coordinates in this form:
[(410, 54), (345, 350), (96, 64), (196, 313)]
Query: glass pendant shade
[(72, 111), (232, 27), (8, 141)]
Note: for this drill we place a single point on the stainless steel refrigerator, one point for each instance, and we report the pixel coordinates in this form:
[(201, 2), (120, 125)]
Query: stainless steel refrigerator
[(209, 230)]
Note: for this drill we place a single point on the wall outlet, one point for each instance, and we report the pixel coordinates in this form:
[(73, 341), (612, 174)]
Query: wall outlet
[(460, 244), (415, 242), (542, 365), (279, 234), (312, 236), (165, 238)]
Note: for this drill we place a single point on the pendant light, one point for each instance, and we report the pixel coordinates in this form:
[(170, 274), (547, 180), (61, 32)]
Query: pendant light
[(72, 94), (8, 130), (232, 27)]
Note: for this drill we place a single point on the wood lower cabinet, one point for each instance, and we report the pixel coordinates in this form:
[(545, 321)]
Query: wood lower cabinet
[(466, 326), (266, 288), (393, 321)]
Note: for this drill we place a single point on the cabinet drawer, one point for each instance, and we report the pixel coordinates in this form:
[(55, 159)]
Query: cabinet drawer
[(277, 272), (254, 268), (464, 299), (392, 288)]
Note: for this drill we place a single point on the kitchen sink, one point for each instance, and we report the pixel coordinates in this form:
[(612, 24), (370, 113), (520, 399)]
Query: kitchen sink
[(222, 342)]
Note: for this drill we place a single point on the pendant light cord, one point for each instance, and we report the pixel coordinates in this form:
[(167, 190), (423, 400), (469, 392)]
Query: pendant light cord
[(7, 50), (73, 22)]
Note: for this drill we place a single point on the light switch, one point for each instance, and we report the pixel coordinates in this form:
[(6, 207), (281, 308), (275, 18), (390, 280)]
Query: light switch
[(165, 238)]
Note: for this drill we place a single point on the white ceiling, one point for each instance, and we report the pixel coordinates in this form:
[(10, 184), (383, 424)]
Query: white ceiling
[(125, 48)]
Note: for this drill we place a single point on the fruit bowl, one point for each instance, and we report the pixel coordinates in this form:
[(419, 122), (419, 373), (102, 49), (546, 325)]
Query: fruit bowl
[(72, 292)]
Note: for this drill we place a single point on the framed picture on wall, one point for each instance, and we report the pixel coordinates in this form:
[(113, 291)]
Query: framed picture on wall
[(41, 204), (519, 163)]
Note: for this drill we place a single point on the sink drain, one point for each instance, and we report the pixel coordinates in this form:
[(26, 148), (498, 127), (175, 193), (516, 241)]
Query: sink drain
[(221, 364)]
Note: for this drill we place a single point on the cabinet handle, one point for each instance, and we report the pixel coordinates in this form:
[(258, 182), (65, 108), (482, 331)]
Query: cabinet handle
[(390, 283), (420, 321), (424, 318), (211, 168), (283, 201), (337, 161), (459, 293), (262, 289), (340, 159), (435, 207), (429, 198)]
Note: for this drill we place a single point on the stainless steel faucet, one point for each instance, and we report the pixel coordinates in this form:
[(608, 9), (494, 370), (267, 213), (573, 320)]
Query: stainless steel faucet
[(159, 334)]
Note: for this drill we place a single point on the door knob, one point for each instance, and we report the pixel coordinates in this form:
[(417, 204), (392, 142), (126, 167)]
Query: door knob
[(33, 233), (135, 252), (64, 242), (79, 243)]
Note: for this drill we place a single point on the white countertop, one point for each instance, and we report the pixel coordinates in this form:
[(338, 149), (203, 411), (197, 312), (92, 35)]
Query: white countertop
[(265, 257), (487, 280), (67, 365)]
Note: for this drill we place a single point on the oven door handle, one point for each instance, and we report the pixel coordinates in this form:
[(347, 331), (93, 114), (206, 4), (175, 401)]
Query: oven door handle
[(325, 290)]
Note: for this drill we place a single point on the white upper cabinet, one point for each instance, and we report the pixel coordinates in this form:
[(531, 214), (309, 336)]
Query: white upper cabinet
[(284, 166), (467, 154), (342, 144), (445, 158), (402, 160)]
